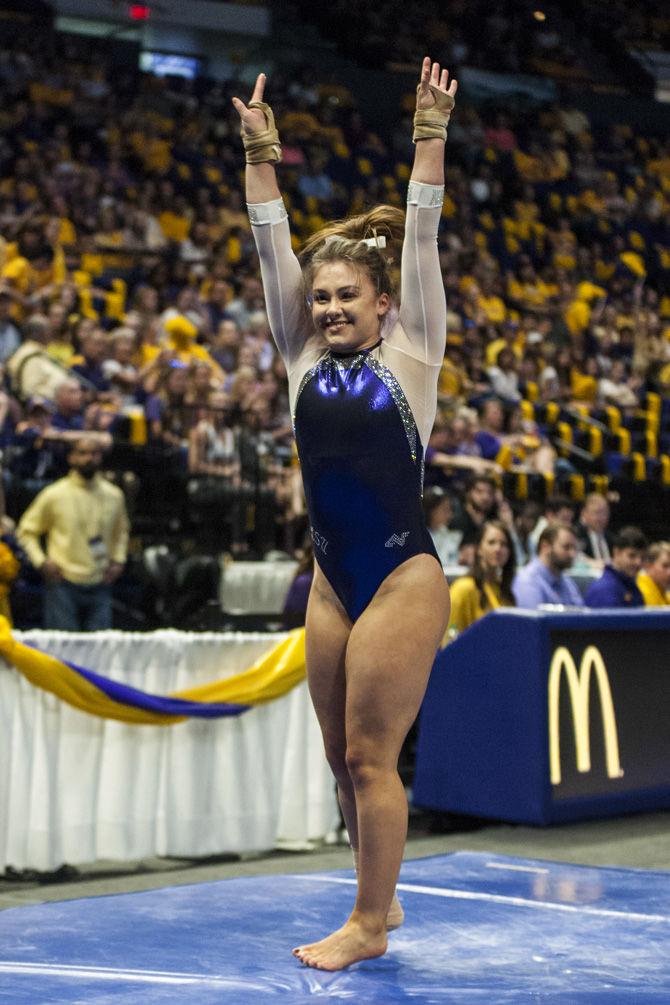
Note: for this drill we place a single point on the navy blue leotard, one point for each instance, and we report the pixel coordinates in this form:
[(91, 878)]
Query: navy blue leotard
[(362, 467), (361, 419)]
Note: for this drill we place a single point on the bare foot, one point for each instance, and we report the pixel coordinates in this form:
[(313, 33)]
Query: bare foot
[(347, 945)]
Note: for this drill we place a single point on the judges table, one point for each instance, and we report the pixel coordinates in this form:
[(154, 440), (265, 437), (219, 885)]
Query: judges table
[(75, 788), (540, 717)]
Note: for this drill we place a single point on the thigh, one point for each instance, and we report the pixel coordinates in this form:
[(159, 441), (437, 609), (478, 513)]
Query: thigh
[(97, 614), (327, 630), (61, 607), (390, 654)]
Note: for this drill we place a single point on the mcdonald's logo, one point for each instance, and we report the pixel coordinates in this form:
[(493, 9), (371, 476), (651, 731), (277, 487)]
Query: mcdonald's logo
[(579, 685)]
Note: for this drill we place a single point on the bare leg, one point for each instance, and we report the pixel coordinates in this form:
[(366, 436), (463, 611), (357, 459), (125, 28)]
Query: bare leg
[(327, 631), (388, 660)]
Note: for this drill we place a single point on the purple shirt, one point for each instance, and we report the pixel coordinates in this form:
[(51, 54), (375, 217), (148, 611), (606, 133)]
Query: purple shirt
[(535, 584)]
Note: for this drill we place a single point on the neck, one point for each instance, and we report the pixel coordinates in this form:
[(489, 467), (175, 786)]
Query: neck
[(370, 343)]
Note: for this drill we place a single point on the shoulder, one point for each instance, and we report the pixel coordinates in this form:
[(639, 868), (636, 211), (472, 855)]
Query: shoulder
[(52, 494), (463, 587), (109, 489)]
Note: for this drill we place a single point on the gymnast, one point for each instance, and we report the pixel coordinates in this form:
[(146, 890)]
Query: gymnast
[(363, 390)]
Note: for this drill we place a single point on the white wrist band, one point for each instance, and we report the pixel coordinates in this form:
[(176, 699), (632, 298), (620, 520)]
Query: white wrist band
[(427, 196), (267, 212)]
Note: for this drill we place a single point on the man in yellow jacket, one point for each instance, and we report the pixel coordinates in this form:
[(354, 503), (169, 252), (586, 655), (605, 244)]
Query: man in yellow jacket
[(83, 518), (654, 580)]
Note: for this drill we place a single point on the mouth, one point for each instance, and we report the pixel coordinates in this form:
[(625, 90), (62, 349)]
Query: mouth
[(335, 327)]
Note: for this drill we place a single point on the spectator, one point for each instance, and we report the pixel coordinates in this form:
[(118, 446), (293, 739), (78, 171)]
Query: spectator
[(618, 388), (544, 579), (31, 370), (491, 428), (84, 520), (225, 344), (181, 342), (167, 415), (488, 584), (654, 580), (247, 303), (68, 413), (617, 587), (216, 493), (58, 336), (295, 605), (480, 506), (593, 540), (10, 336), (89, 367), (438, 511), (505, 378), (119, 369), (558, 511), (525, 522)]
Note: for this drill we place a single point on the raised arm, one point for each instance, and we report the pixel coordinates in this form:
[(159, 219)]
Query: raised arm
[(280, 269), (423, 312)]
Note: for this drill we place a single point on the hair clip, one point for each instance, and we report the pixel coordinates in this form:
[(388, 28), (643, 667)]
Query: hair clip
[(333, 237), (378, 241)]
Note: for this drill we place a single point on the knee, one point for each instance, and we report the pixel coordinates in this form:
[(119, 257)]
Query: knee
[(362, 764), (335, 755)]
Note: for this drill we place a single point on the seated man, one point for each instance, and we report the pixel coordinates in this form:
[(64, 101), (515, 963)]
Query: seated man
[(654, 580), (543, 580), (617, 587), (594, 541)]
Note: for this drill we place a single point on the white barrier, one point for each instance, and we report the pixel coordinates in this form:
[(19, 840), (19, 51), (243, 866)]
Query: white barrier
[(75, 788)]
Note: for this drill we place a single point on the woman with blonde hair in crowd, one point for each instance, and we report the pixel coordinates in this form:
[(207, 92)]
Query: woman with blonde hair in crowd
[(488, 584), (363, 388), (654, 579)]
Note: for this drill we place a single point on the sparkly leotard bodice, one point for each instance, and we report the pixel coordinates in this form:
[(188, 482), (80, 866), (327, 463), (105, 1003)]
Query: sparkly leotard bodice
[(361, 420), (362, 466)]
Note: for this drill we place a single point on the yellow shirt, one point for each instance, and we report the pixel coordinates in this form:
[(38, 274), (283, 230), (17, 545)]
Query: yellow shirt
[(651, 591), (70, 514), (466, 605)]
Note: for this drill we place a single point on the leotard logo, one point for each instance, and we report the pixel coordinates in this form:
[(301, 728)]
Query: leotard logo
[(397, 539), (320, 541)]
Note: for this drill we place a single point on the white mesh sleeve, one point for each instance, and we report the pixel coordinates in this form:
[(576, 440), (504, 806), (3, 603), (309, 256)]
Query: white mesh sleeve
[(423, 308), (282, 277)]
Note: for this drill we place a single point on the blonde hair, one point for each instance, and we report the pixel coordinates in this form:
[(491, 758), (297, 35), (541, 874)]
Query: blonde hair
[(655, 550), (343, 240)]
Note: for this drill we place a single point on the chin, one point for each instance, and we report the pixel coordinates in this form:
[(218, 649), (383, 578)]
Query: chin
[(350, 341)]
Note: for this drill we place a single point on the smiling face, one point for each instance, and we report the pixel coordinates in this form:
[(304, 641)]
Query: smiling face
[(493, 550), (346, 307)]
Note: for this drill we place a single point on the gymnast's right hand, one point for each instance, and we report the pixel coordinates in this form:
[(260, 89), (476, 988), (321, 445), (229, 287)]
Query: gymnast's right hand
[(252, 119)]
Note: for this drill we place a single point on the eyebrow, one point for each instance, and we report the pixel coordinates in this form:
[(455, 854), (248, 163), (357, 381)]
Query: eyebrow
[(341, 289)]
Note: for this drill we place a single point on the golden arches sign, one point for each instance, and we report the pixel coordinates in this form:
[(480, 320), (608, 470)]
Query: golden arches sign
[(579, 685)]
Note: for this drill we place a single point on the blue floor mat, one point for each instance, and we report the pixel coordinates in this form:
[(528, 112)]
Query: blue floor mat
[(480, 929)]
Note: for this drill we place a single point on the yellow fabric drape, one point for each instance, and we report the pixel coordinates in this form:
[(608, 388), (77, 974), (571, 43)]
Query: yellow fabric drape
[(271, 676)]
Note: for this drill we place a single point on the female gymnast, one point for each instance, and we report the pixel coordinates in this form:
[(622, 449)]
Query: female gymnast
[(363, 389)]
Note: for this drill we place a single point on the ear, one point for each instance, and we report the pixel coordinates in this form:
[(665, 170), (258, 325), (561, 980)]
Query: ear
[(383, 304)]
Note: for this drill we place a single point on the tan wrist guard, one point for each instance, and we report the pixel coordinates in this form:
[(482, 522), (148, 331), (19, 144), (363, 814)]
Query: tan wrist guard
[(431, 123), (263, 146)]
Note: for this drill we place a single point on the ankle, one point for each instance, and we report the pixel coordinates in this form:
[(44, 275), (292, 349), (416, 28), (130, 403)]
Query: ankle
[(373, 923)]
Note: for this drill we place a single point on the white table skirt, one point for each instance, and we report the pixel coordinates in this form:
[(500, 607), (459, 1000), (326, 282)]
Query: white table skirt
[(255, 587), (75, 788)]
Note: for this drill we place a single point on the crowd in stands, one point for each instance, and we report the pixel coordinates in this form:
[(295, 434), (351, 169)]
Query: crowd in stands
[(515, 36), (131, 308)]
